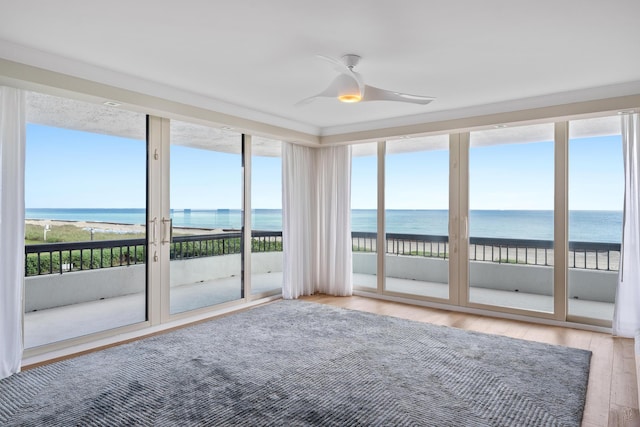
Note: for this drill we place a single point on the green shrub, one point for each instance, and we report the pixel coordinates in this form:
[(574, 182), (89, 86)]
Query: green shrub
[(262, 246), (106, 257), (88, 260)]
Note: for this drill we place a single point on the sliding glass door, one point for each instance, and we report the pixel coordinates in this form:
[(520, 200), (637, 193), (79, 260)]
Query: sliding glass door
[(364, 215), (417, 216), (85, 231), (205, 227), (596, 195), (266, 216), (511, 218)]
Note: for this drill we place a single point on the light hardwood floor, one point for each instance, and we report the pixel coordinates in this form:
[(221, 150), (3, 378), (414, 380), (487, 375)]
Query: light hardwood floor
[(612, 394)]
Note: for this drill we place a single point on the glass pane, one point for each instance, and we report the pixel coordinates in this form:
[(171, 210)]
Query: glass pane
[(206, 209), (364, 214), (511, 197), (596, 196), (266, 216), (85, 234), (417, 216)]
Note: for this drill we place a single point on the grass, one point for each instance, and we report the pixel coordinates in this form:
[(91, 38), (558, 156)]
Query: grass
[(426, 254), (34, 235)]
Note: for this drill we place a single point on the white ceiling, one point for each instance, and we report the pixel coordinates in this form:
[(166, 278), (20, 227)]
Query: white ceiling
[(256, 59)]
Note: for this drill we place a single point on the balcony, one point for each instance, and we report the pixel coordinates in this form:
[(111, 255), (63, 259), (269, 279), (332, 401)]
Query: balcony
[(503, 272), (74, 289)]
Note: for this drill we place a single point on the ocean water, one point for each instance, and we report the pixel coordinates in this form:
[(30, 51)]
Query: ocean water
[(586, 226)]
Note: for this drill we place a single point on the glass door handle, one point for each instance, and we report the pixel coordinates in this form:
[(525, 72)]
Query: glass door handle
[(466, 227), (153, 224), (167, 235), (453, 235)]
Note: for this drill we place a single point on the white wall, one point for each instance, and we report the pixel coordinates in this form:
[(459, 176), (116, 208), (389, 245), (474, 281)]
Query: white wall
[(532, 279), (585, 284), (196, 270), (593, 285), (57, 290), (266, 262), (210, 268)]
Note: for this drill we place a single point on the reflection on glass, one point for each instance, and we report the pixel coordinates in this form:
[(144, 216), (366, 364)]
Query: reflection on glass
[(596, 190), (206, 209), (79, 197), (511, 202), (417, 216), (364, 214), (266, 216)]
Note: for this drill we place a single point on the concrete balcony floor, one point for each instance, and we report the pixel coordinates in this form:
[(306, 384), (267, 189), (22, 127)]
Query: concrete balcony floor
[(501, 298), (72, 321)]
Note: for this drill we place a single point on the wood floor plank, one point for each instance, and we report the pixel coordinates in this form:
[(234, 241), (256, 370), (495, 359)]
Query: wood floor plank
[(543, 333), (624, 417), (509, 328), (612, 396), (624, 392), (599, 389)]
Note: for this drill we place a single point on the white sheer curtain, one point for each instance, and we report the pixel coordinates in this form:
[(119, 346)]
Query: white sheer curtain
[(334, 221), (626, 317), (299, 203), (316, 220), (12, 143)]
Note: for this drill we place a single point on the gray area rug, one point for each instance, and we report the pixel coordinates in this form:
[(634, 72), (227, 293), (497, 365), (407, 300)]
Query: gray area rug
[(296, 363)]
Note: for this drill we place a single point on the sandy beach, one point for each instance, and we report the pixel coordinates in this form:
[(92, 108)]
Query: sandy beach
[(109, 227)]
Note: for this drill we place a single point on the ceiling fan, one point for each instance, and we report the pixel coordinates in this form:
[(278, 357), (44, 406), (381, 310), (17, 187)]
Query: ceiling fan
[(348, 86)]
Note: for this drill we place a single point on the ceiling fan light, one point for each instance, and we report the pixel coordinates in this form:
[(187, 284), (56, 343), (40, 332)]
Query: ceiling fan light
[(348, 89), (350, 97)]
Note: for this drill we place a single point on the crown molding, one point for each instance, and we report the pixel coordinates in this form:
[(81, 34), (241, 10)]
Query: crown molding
[(47, 62), (559, 112)]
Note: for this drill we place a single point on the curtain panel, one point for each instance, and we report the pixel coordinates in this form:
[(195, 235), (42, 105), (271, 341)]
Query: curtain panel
[(12, 156), (334, 221), (626, 317), (299, 203), (316, 220)]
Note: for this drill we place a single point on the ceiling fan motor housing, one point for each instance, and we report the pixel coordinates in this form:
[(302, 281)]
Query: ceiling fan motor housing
[(351, 60)]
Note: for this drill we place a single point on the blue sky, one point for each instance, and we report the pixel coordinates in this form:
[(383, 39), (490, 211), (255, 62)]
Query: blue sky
[(71, 169), (596, 174), (514, 176), (196, 176), (199, 178)]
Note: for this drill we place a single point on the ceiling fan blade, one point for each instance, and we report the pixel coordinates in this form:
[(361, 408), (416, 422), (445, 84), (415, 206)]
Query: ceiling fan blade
[(372, 93), (341, 68), (306, 101), (330, 92)]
